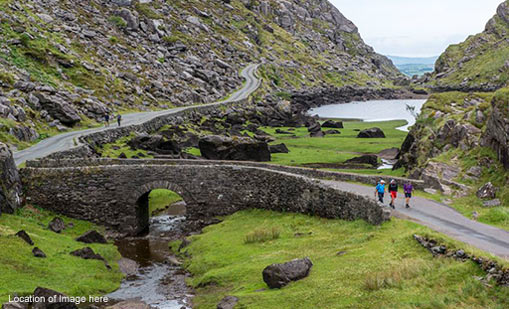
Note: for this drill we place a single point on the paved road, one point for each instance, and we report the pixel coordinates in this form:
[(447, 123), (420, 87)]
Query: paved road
[(67, 140), (442, 218)]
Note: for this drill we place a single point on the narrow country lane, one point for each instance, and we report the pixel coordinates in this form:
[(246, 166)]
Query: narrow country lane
[(442, 218), (67, 140)]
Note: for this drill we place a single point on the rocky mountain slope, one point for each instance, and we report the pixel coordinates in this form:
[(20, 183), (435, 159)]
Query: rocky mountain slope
[(66, 64), (481, 63)]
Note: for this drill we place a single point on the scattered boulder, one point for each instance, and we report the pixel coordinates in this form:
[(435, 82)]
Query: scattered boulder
[(14, 305), (228, 302), (47, 294), (317, 134), (279, 131), (493, 203), (279, 148), (365, 159), (128, 267), (56, 225), (315, 130), (58, 109), (38, 253), (155, 143), (23, 235), (279, 275), (331, 132), (487, 191), (389, 154), (87, 253), (333, 124), (215, 147), (10, 183), (92, 237), (475, 171), (371, 133)]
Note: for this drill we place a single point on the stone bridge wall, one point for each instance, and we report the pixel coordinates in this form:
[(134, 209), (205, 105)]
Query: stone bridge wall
[(308, 172), (109, 194)]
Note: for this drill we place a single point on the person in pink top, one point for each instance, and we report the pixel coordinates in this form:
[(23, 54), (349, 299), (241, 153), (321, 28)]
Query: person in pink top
[(408, 188)]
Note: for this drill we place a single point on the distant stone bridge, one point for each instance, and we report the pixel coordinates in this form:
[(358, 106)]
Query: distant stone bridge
[(114, 192)]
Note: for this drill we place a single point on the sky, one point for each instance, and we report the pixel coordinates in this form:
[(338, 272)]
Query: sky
[(417, 28)]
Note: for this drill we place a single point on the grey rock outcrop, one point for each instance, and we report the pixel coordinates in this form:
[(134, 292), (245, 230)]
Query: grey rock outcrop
[(496, 135), (59, 109), (10, 183), (92, 237), (371, 133)]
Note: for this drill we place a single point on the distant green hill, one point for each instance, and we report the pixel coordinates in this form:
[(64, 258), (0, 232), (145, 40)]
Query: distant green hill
[(414, 66)]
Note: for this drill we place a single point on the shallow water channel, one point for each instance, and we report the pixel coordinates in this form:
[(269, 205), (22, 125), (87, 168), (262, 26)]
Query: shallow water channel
[(156, 281)]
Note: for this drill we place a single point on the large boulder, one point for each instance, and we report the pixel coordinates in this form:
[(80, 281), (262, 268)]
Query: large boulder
[(365, 159), (58, 109), (215, 147), (10, 183), (279, 148), (279, 275), (92, 237), (371, 133), (487, 191), (45, 295), (333, 124)]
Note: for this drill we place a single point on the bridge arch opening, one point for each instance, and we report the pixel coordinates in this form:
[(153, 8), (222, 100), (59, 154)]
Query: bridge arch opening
[(155, 199)]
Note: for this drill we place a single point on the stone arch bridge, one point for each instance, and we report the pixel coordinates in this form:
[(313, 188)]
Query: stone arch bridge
[(114, 192)]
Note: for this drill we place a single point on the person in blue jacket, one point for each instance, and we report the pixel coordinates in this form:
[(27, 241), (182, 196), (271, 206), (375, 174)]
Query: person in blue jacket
[(380, 191)]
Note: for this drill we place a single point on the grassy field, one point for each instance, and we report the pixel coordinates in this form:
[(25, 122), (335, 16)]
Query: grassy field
[(383, 267), (21, 273), (335, 149), (160, 199)]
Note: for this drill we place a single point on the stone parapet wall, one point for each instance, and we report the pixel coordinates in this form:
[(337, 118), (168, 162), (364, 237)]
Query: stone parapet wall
[(110, 194)]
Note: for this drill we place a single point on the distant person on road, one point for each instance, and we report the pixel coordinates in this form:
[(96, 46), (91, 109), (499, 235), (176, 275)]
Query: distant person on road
[(393, 191), (380, 191), (107, 119), (119, 119), (408, 188)]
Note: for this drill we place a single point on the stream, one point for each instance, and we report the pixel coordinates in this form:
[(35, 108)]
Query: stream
[(156, 280)]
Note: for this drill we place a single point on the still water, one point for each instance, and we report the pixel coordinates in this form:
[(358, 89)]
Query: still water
[(376, 110)]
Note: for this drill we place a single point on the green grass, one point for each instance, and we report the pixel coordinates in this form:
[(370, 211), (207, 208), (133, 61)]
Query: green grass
[(114, 150), (21, 273), (160, 199), (383, 266), (335, 149)]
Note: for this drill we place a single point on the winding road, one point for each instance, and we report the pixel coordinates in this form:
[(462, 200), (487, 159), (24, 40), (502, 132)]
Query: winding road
[(438, 217), (66, 141)]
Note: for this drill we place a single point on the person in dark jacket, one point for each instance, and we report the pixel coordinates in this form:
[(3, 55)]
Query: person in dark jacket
[(393, 191), (119, 119)]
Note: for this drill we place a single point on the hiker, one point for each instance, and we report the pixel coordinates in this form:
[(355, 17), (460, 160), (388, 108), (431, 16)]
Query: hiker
[(408, 188), (119, 119), (393, 191), (107, 119), (380, 191)]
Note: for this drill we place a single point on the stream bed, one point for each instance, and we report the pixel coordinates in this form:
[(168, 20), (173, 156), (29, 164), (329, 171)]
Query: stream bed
[(156, 279)]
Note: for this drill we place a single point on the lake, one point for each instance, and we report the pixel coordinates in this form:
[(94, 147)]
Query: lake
[(370, 111)]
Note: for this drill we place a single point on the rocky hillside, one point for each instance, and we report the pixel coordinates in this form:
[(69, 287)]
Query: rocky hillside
[(481, 63), (67, 63)]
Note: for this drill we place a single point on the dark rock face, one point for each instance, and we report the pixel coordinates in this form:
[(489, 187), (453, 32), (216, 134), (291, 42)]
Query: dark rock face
[(333, 124), (87, 253), (58, 109), (57, 225), (371, 133), (46, 294), (10, 183), (38, 253), (216, 147), (92, 237), (23, 235), (228, 302), (279, 275), (155, 143), (365, 159), (487, 191), (496, 135), (279, 148)]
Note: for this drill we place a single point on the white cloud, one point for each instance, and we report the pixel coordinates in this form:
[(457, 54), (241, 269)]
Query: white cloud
[(417, 27)]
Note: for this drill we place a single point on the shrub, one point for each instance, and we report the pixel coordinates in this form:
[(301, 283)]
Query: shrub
[(262, 235), (118, 21)]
